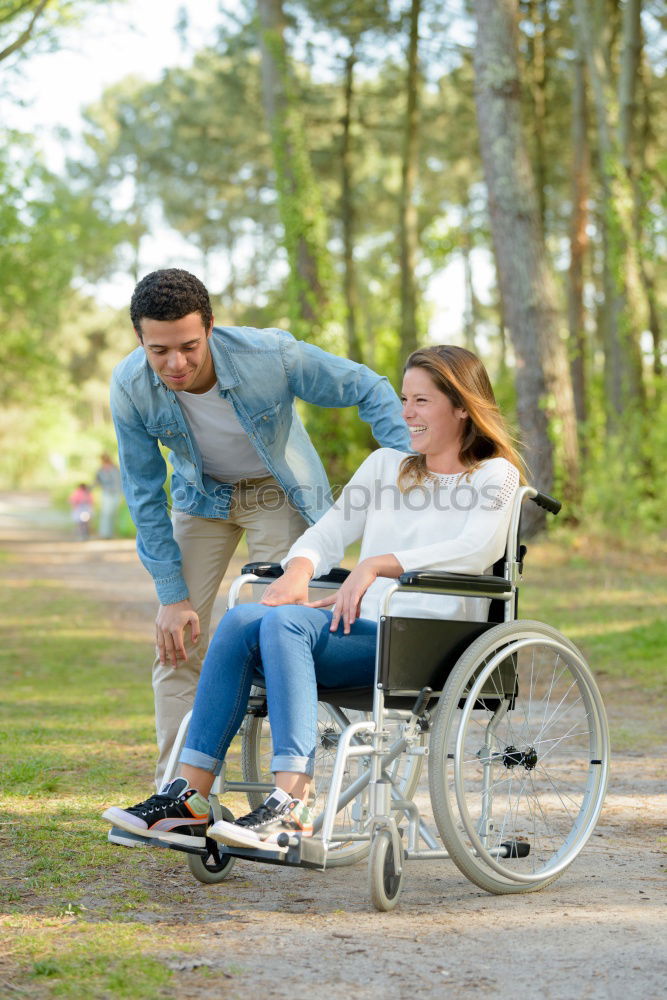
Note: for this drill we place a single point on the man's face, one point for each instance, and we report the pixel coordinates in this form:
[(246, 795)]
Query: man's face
[(177, 350)]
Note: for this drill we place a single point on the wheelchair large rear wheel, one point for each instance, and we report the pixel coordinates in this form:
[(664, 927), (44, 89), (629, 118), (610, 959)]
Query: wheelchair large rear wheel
[(351, 818), (518, 758)]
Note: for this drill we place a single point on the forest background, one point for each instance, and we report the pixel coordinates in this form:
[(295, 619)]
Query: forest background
[(326, 162)]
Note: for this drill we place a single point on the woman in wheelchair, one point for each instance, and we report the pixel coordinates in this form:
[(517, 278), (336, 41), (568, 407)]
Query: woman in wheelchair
[(445, 507)]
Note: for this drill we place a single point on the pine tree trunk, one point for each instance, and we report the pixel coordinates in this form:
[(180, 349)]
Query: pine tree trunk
[(539, 16), (300, 206), (354, 350), (471, 305), (624, 302), (647, 259), (408, 228), (544, 388), (303, 220), (627, 88), (634, 72), (579, 243)]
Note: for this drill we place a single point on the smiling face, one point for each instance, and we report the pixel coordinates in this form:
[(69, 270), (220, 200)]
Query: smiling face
[(178, 351), (434, 423)]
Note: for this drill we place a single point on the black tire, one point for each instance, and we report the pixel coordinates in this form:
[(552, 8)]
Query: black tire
[(384, 883), (216, 867)]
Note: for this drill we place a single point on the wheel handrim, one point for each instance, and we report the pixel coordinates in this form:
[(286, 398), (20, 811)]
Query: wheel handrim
[(559, 729)]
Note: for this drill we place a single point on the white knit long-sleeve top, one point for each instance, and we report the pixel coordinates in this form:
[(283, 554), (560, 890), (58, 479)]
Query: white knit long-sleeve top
[(456, 523)]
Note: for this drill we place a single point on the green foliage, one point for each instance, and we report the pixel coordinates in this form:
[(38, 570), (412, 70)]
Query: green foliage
[(51, 234), (626, 481), (30, 25), (60, 411), (195, 148)]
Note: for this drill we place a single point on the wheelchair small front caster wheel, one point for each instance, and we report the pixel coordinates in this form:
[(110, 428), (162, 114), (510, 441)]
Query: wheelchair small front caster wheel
[(215, 867), (384, 882)]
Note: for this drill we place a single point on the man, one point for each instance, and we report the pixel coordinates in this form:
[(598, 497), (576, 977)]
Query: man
[(222, 399), (108, 480)]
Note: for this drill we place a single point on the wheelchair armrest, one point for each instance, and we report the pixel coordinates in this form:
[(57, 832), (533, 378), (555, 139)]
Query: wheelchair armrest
[(271, 571), (442, 583)]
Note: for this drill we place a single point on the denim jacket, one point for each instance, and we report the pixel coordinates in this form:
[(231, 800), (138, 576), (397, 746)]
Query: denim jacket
[(261, 372)]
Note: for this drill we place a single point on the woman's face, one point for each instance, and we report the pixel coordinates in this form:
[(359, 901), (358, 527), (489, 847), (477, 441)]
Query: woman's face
[(434, 423)]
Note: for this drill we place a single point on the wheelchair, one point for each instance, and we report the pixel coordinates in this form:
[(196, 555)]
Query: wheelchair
[(505, 713)]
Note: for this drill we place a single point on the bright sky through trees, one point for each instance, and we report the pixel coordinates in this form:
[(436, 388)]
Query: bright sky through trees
[(140, 37)]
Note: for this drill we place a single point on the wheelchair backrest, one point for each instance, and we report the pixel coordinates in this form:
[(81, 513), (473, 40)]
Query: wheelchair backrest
[(415, 652)]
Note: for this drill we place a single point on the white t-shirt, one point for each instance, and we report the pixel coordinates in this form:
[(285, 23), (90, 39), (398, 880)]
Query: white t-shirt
[(456, 523), (226, 450)]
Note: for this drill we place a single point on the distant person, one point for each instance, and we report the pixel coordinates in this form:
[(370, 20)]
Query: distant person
[(222, 399), (81, 502), (108, 480)]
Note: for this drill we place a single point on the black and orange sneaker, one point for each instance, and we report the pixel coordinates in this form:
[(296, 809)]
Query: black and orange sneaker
[(178, 814)]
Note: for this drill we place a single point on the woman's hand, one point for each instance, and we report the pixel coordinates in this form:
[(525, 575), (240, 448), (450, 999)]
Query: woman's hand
[(348, 597), (292, 586)]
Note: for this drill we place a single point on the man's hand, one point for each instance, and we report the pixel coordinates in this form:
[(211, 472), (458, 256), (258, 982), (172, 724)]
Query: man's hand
[(170, 624), (292, 586)]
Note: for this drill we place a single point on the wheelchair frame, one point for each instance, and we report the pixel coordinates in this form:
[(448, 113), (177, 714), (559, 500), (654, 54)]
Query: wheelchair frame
[(472, 687)]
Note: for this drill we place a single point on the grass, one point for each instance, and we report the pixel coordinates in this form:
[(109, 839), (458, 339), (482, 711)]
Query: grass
[(609, 599), (76, 732), (76, 725)]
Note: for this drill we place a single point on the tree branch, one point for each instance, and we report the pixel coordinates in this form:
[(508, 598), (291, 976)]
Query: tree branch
[(9, 14), (25, 35)]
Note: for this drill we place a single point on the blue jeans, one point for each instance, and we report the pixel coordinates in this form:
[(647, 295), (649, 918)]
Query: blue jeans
[(290, 650)]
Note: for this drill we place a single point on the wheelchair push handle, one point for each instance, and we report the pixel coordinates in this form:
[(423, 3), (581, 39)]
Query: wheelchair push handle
[(547, 503), (271, 571)]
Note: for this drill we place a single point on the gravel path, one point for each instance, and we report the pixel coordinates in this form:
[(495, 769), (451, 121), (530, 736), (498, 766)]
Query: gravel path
[(598, 932)]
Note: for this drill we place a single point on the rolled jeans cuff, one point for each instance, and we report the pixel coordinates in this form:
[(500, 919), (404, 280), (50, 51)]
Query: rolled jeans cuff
[(195, 758), (299, 765)]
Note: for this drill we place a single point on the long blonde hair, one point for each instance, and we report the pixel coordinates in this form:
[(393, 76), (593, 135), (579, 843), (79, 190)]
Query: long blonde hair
[(462, 377)]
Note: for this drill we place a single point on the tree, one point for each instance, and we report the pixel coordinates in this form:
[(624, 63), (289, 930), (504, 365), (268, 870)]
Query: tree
[(544, 388), (190, 146), (51, 233), (303, 219), (408, 224), (633, 80), (578, 238), (348, 213), (624, 306), (24, 22), (18, 24)]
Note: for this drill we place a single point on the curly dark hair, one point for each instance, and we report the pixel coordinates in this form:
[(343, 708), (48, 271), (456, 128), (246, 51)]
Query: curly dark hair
[(169, 294)]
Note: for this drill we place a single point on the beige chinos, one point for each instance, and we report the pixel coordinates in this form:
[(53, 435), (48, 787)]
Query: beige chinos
[(260, 508)]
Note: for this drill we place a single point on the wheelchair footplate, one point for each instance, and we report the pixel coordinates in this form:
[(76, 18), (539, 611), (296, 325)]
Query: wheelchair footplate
[(126, 839), (292, 851)]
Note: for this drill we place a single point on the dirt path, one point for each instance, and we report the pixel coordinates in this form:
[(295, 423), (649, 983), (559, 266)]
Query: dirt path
[(599, 932)]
